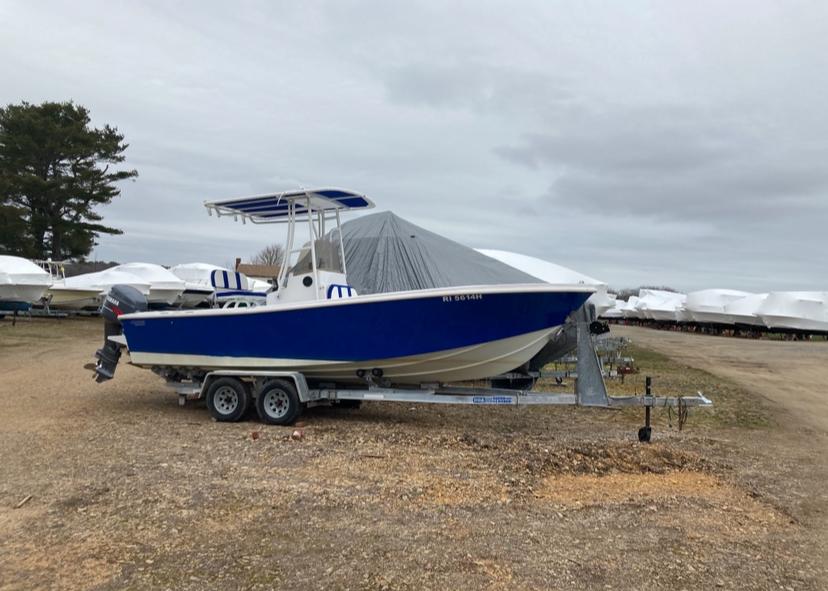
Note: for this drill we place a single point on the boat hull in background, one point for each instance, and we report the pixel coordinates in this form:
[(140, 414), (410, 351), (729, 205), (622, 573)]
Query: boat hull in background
[(20, 296), (22, 283), (69, 298)]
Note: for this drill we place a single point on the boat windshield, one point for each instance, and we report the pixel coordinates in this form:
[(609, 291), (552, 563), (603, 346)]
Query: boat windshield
[(328, 257)]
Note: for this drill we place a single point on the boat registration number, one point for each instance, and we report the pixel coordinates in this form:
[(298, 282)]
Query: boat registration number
[(463, 297)]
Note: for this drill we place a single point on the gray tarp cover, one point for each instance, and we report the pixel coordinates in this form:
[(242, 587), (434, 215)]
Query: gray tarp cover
[(386, 253)]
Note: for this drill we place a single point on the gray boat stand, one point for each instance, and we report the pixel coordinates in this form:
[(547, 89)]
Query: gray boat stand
[(590, 390)]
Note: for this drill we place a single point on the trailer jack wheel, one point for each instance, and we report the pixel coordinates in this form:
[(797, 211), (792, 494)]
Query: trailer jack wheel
[(645, 434)]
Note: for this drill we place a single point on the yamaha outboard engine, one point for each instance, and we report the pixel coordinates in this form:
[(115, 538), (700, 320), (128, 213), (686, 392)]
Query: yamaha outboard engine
[(121, 299)]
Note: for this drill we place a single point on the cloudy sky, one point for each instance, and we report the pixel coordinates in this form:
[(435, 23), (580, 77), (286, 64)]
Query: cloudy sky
[(669, 143)]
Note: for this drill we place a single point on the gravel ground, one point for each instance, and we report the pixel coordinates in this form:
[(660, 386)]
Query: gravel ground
[(127, 490)]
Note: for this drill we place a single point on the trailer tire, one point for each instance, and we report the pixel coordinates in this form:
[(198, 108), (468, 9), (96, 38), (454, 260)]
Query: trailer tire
[(278, 403), (228, 400)]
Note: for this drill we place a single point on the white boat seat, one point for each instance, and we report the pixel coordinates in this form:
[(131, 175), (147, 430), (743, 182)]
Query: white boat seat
[(228, 280)]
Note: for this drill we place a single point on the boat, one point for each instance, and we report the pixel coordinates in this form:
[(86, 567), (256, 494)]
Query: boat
[(22, 283), (61, 296), (708, 306), (165, 288), (805, 311), (316, 323), (86, 291), (660, 305)]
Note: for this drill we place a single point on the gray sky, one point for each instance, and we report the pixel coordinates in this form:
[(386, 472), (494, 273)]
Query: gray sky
[(670, 143)]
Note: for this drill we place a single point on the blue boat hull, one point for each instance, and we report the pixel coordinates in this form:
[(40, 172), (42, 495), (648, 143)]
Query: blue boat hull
[(15, 306), (403, 335)]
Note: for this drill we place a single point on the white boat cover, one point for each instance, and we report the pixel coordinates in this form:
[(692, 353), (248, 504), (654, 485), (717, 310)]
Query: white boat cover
[(554, 273), (799, 310), (708, 305), (17, 270), (198, 273), (657, 304), (682, 315), (745, 310), (631, 309), (22, 280), (617, 310), (104, 280), (157, 276), (385, 253)]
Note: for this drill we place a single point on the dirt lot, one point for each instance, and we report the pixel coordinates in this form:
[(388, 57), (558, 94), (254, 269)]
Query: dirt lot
[(127, 490)]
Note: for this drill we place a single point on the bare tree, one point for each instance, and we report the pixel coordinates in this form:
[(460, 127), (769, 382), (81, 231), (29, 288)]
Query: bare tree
[(270, 255)]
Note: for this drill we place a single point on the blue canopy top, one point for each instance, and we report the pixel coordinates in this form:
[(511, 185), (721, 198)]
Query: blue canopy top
[(274, 207)]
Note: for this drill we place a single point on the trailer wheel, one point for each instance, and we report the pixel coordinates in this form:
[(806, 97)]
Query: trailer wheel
[(278, 403), (228, 399)]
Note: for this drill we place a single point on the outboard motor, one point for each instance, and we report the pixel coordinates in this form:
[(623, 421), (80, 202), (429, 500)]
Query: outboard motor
[(121, 299)]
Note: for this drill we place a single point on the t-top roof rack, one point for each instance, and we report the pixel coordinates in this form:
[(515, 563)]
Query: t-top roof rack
[(288, 205)]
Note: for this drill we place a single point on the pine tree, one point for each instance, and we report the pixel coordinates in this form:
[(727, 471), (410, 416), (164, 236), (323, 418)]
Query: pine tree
[(55, 168)]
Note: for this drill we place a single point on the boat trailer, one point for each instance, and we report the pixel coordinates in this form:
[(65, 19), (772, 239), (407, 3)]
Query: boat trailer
[(280, 396)]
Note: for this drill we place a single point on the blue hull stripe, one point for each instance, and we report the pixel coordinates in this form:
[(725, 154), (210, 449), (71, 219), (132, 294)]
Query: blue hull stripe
[(355, 332)]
